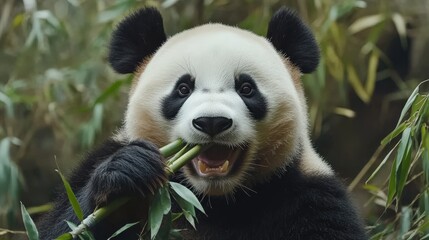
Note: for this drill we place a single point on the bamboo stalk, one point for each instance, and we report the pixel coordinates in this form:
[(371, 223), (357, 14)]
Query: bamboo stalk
[(178, 154), (185, 158), (172, 148)]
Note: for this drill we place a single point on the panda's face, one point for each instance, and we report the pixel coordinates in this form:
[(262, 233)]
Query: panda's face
[(226, 89)]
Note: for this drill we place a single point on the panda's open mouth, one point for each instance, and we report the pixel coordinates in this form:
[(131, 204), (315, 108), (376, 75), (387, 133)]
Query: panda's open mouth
[(217, 160)]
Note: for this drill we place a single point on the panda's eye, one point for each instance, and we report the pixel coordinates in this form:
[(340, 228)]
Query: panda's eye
[(184, 90), (246, 89)]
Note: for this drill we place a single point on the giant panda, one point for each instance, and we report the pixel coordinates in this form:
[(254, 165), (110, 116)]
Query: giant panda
[(239, 93)]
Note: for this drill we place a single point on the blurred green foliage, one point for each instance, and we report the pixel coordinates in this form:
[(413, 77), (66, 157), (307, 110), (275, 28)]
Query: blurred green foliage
[(58, 96)]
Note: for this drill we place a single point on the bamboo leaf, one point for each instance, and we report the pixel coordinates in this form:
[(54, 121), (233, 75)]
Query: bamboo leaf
[(417, 104), (346, 112), (320, 82), (371, 188), (357, 84), (40, 209), (114, 12), (165, 229), (65, 236), (155, 219), (176, 216), (425, 162), (391, 192), (426, 204), (175, 234), (5, 151), (165, 199), (112, 89), (72, 197), (380, 165), (187, 195), (156, 213), (348, 6), (337, 35), (404, 170), (424, 227), (10, 176), (189, 218), (29, 225), (425, 136), (372, 39), (401, 28), (372, 72), (403, 147), (422, 110), (336, 11), (97, 117), (398, 130), (168, 3), (405, 221), (87, 235), (408, 104), (71, 225), (8, 105), (334, 64), (365, 23), (184, 205), (122, 229), (18, 20)]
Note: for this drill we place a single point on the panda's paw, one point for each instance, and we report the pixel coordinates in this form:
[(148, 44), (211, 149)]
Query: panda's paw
[(137, 169)]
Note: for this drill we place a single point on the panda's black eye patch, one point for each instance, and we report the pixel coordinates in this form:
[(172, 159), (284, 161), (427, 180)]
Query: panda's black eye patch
[(247, 89), (177, 97)]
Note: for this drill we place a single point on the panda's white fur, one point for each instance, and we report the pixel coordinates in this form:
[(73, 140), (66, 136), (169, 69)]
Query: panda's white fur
[(214, 54)]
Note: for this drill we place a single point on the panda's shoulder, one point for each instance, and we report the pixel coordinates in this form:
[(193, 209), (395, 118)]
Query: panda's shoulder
[(299, 181)]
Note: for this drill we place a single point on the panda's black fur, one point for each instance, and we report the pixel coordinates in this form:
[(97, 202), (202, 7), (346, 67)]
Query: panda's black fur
[(139, 44), (289, 205), (292, 206)]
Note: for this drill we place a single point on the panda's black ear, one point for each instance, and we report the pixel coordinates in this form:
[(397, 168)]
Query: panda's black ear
[(293, 38), (135, 38)]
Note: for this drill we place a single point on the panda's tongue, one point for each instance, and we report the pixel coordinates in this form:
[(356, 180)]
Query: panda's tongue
[(215, 160)]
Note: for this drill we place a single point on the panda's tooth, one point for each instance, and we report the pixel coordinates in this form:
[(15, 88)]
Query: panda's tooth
[(225, 166), (202, 166)]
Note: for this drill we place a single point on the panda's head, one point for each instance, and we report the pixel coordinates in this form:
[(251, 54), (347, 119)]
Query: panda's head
[(221, 86)]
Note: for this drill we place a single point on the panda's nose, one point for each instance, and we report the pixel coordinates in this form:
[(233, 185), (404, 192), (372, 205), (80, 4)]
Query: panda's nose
[(212, 125)]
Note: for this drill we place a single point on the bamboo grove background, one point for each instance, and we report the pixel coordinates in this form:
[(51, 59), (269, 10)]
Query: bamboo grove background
[(59, 97)]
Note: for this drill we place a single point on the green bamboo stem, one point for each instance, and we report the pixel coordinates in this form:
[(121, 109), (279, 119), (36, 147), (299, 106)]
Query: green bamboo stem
[(105, 211), (182, 155), (178, 154), (185, 158), (93, 218), (172, 148)]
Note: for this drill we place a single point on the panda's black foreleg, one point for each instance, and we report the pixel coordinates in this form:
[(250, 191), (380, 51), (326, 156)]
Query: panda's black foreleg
[(133, 170), (136, 169)]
